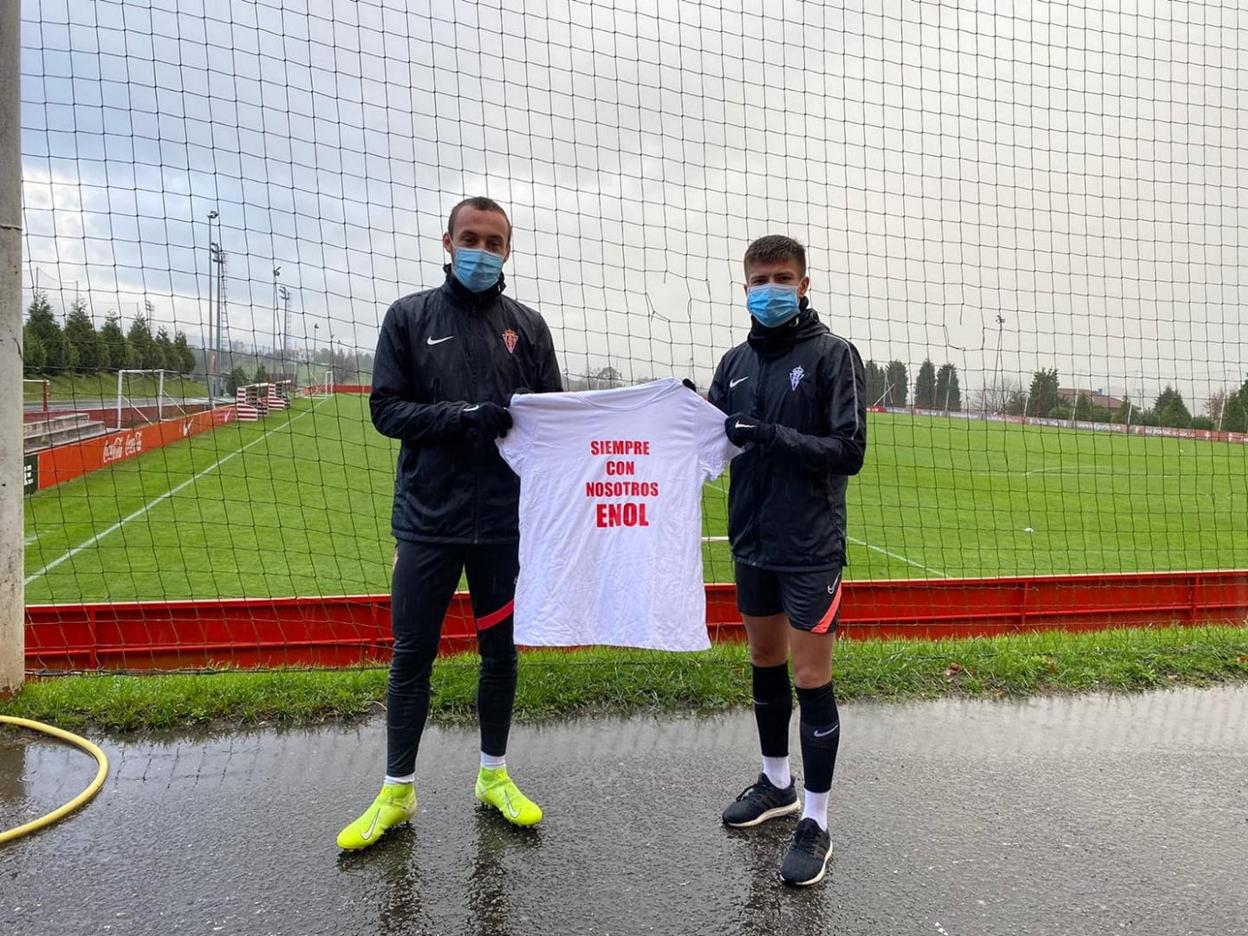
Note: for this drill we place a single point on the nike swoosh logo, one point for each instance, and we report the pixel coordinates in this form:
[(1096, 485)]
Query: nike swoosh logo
[(432, 341), (369, 834), (733, 383), (824, 734), (741, 425), (473, 408), (511, 810)]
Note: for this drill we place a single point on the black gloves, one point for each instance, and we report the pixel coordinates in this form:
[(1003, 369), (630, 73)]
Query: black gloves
[(690, 384), (489, 419), (746, 430)]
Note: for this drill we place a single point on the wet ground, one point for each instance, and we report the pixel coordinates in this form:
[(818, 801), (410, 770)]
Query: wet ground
[(1053, 816)]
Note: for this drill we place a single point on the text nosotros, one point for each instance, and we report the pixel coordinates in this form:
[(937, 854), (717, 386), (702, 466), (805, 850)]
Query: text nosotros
[(631, 513)]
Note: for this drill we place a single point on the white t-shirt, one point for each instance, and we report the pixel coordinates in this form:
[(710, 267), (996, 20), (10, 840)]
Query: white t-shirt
[(611, 515)]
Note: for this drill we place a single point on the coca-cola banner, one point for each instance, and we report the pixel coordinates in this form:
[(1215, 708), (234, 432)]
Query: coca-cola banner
[(66, 462)]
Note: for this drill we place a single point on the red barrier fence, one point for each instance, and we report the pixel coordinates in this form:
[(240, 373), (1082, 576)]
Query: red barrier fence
[(66, 462), (130, 415), (355, 629)]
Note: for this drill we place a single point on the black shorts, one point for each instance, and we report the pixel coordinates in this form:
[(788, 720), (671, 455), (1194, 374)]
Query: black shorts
[(812, 600)]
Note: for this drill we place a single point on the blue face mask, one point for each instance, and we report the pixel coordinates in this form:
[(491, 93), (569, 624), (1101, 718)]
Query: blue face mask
[(772, 304), (478, 270)]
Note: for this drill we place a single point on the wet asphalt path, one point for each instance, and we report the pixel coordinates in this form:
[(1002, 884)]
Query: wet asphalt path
[(1053, 816)]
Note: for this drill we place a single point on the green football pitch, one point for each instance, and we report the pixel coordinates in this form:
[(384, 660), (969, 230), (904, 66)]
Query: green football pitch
[(299, 504)]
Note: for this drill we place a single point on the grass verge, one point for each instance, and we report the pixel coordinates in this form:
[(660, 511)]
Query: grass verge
[(598, 681), (64, 388)]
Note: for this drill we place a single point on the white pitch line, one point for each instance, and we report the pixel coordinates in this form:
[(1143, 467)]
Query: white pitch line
[(30, 539), (857, 542), (898, 557), (152, 503)]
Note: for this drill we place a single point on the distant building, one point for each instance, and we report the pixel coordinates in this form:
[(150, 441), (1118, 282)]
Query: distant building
[(1095, 397)]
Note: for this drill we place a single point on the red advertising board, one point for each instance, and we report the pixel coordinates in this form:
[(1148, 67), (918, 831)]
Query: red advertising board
[(66, 462)]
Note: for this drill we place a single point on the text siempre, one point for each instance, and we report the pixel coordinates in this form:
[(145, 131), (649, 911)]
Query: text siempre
[(620, 496)]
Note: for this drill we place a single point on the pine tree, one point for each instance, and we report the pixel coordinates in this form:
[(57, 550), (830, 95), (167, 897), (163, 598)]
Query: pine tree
[(43, 326), (113, 340), (34, 355), (185, 357), (81, 335), (898, 384), (948, 393), (876, 384), (164, 346), (925, 386), (1170, 410), (1042, 397)]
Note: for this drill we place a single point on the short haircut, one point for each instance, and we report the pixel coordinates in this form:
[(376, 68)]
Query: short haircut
[(775, 248), (480, 203)]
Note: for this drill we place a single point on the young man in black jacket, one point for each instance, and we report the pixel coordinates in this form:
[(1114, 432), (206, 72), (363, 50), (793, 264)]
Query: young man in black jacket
[(796, 394), (448, 361)]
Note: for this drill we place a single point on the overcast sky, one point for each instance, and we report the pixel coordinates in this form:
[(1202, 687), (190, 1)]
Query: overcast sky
[(1079, 172)]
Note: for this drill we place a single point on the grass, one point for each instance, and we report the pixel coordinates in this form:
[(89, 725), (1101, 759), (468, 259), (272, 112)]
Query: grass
[(301, 505), (94, 387), (602, 681)]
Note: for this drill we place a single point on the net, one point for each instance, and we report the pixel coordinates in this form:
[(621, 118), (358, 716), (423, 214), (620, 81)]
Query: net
[(1027, 222)]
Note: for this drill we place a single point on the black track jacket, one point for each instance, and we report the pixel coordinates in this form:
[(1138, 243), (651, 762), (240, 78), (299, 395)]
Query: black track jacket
[(440, 351), (786, 500)]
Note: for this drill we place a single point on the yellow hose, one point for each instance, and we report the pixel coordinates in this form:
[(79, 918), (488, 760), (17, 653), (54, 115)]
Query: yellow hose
[(79, 800)]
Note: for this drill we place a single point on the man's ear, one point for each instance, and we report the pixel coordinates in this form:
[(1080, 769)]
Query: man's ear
[(446, 241), (803, 287)]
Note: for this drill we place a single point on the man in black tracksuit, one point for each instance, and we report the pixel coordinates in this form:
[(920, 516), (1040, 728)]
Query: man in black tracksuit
[(796, 394), (448, 361)]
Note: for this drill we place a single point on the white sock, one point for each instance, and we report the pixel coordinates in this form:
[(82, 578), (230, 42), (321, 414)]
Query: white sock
[(777, 771), (392, 781), (490, 762), (817, 808)]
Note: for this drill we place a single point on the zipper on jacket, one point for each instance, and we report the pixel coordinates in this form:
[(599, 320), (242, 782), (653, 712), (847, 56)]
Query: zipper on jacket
[(476, 474), (760, 392)]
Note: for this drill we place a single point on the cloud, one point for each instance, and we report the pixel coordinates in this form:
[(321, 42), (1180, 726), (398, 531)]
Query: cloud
[(1074, 170)]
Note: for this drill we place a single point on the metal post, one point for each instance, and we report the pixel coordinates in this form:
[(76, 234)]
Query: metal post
[(277, 272), (210, 353), (121, 374), (12, 460)]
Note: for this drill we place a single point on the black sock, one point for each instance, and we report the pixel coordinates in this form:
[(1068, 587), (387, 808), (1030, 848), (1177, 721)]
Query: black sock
[(821, 736), (773, 708)]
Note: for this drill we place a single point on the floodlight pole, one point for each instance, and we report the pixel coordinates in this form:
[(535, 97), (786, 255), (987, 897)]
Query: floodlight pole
[(12, 459)]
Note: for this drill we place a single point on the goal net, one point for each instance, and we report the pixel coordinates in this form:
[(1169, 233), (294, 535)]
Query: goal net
[(1025, 219)]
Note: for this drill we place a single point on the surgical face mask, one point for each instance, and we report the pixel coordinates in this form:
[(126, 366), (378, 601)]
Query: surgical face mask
[(772, 304), (478, 270)]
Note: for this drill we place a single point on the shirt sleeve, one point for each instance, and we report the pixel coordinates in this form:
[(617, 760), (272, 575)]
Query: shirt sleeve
[(714, 449), (514, 446)]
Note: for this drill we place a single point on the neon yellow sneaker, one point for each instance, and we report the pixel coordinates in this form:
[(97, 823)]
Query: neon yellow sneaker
[(495, 788), (395, 803)]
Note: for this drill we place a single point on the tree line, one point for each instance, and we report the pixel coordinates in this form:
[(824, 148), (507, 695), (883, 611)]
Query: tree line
[(934, 388), (81, 348), (1227, 411)]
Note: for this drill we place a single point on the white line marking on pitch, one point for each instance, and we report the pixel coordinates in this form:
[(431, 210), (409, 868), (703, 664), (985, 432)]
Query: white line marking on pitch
[(152, 503), (857, 542), (30, 538)]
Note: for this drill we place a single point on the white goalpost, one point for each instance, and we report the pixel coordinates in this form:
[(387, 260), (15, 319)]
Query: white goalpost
[(326, 386), (163, 401)]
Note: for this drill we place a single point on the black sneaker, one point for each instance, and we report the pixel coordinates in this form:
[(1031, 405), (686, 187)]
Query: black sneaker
[(760, 802), (807, 860)]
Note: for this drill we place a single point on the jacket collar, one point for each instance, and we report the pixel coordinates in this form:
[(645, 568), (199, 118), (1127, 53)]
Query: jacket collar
[(772, 342), (465, 298)]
